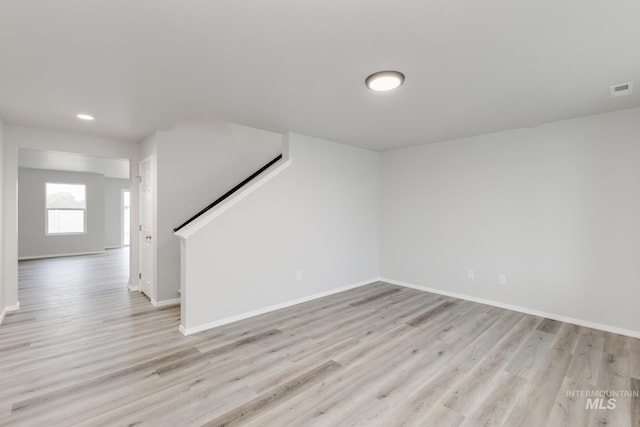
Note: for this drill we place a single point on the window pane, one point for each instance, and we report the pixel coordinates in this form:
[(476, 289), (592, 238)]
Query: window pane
[(66, 196), (65, 221)]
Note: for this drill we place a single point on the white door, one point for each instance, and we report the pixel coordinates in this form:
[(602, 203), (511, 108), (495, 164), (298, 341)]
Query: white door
[(146, 212)]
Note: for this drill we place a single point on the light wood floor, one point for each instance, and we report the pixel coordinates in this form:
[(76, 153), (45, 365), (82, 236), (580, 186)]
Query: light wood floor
[(83, 350)]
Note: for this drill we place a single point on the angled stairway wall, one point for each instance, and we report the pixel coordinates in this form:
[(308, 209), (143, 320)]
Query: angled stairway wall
[(311, 228), (193, 164)]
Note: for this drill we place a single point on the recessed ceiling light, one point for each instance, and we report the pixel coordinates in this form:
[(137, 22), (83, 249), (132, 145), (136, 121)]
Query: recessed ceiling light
[(383, 81), (85, 117)]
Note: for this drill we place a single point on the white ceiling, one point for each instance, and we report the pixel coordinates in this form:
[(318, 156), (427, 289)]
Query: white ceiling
[(471, 66), (72, 162)]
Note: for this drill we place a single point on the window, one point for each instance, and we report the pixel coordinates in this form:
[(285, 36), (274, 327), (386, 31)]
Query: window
[(66, 208), (126, 218)]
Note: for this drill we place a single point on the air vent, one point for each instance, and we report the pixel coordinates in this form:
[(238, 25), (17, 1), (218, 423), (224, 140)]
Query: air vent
[(621, 89)]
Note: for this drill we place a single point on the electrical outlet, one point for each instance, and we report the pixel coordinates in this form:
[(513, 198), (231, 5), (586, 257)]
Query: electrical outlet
[(471, 274), (502, 279), (299, 275)]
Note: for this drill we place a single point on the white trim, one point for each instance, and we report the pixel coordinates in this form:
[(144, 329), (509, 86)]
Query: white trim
[(579, 322), (113, 247), (132, 288), (25, 258), (204, 327), (205, 219), (165, 303), (11, 308)]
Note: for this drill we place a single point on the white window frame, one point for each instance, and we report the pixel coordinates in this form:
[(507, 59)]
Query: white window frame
[(47, 209)]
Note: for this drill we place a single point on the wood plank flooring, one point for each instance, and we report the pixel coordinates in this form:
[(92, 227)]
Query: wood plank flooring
[(85, 351)]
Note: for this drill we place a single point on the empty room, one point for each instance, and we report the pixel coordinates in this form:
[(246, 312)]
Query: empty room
[(287, 213)]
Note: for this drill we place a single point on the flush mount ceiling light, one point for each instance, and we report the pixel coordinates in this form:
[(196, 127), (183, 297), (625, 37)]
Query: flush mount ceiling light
[(85, 117), (383, 81)]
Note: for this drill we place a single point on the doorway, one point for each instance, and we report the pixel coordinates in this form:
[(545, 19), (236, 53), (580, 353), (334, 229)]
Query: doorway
[(70, 214)]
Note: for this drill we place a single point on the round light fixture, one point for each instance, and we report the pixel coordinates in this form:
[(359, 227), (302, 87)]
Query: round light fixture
[(383, 81), (85, 117)]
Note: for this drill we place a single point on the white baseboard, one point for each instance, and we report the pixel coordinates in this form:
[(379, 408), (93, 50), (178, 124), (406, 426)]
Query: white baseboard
[(579, 322), (132, 288), (9, 309), (106, 248), (165, 303), (204, 327), (26, 258)]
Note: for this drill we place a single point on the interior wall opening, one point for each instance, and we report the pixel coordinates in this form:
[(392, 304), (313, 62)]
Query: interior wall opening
[(72, 207)]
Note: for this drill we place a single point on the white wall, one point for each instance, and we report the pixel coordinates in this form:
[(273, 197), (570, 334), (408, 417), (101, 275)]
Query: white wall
[(554, 208), (113, 210), (196, 163), (16, 137), (2, 279), (33, 241), (319, 216)]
